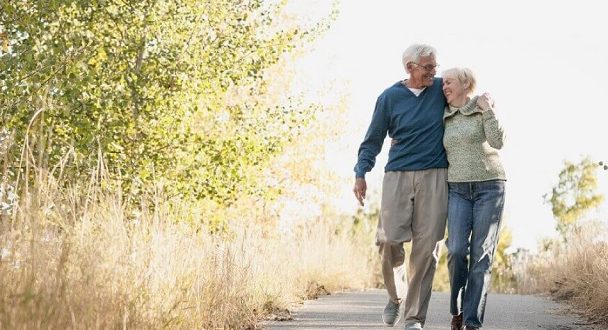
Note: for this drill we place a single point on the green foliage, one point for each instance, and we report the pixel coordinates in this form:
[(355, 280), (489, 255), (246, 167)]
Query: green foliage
[(441, 281), (503, 275), (366, 222), (171, 93), (574, 195)]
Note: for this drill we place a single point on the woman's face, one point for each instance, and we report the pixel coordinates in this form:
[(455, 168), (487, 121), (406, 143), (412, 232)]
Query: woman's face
[(453, 89)]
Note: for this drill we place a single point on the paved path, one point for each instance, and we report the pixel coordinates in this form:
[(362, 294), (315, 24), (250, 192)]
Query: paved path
[(362, 310)]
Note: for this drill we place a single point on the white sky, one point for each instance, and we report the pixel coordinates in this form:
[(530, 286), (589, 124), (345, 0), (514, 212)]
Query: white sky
[(544, 62)]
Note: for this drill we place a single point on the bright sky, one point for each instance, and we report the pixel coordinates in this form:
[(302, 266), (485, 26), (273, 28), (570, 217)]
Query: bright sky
[(544, 62)]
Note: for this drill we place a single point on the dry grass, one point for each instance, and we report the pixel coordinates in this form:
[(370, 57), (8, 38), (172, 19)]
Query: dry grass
[(576, 272), (73, 260)]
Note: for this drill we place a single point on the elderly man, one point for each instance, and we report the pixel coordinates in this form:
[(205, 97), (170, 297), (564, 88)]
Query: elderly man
[(414, 189)]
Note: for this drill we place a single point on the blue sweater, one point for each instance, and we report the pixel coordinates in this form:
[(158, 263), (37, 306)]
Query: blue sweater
[(415, 122)]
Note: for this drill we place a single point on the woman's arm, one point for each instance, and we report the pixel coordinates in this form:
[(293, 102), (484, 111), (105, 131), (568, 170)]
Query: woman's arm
[(493, 131)]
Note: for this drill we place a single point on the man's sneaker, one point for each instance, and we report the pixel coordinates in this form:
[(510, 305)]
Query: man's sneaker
[(391, 314), (470, 327), (456, 322), (413, 326)]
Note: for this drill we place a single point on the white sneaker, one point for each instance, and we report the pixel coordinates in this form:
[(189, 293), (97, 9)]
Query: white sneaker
[(391, 313), (413, 326)]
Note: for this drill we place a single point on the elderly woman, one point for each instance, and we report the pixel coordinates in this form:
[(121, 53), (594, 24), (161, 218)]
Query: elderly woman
[(476, 190)]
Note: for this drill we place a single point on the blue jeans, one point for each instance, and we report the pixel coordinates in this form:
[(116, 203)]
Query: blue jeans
[(474, 215)]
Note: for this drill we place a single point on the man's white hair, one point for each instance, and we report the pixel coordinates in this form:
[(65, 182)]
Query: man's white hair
[(413, 53)]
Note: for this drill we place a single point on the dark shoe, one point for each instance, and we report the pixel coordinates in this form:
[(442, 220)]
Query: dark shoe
[(391, 314), (457, 322)]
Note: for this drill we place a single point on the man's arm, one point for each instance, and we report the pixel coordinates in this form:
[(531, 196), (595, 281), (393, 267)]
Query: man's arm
[(371, 146)]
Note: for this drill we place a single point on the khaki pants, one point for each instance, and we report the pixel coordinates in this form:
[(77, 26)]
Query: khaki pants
[(413, 208)]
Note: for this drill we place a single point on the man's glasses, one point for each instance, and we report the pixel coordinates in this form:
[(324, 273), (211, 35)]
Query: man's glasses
[(428, 67)]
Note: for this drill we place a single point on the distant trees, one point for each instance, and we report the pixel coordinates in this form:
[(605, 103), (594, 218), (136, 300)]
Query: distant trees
[(574, 195)]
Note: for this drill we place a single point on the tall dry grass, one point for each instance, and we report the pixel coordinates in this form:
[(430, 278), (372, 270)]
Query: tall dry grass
[(78, 258), (575, 271)]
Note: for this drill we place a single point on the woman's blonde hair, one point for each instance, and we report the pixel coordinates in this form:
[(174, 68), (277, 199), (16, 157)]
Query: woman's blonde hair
[(464, 75)]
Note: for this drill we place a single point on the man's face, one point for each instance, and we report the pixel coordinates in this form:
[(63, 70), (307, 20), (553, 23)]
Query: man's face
[(423, 71)]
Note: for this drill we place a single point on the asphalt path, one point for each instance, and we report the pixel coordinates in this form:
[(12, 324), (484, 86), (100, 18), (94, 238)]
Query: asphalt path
[(363, 310)]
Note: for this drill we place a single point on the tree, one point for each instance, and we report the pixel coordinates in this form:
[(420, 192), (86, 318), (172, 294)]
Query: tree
[(574, 195), (166, 92)]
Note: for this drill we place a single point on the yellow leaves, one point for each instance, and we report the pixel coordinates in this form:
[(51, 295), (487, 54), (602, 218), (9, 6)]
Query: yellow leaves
[(99, 58), (5, 41), (101, 54)]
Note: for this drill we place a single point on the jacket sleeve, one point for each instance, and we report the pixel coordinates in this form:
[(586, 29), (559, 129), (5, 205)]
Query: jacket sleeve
[(494, 132), (372, 144)]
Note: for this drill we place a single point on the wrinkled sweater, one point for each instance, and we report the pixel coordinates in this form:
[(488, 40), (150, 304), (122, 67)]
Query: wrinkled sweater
[(471, 139)]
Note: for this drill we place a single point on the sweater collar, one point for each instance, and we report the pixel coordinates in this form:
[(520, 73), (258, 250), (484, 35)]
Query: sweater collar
[(468, 109)]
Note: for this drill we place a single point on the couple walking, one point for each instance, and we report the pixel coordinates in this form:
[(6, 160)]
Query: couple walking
[(443, 164)]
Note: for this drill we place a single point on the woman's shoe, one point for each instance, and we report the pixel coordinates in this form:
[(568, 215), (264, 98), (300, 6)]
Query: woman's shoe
[(456, 322)]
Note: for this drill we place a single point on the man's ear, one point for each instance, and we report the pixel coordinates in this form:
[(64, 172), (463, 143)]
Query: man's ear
[(408, 67)]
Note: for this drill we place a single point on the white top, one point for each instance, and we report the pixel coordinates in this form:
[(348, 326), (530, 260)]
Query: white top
[(416, 91)]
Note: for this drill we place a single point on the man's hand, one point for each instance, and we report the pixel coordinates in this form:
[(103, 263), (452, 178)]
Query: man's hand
[(485, 102), (360, 189)]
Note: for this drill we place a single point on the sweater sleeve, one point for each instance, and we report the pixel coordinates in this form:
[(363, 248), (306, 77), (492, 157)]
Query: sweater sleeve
[(372, 144), (493, 130)]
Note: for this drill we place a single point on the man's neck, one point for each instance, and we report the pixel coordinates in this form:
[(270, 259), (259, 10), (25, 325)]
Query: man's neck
[(409, 83)]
